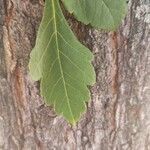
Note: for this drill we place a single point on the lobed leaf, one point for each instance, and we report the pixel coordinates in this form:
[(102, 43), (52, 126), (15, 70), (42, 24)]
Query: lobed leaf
[(104, 14), (62, 64)]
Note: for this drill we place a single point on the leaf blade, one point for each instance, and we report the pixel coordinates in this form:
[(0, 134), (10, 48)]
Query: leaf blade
[(64, 65), (103, 14)]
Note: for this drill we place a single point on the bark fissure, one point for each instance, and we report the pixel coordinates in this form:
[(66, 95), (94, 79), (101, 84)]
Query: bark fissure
[(118, 115)]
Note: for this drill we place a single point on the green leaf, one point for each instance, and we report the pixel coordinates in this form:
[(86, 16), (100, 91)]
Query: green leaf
[(62, 64), (104, 14)]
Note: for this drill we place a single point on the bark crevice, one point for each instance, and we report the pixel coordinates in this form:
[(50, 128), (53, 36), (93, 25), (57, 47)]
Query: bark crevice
[(118, 114)]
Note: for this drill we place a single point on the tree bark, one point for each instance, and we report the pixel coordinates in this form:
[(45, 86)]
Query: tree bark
[(118, 116)]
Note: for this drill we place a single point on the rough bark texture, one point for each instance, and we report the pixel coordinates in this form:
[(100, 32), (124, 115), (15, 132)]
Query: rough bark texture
[(118, 117)]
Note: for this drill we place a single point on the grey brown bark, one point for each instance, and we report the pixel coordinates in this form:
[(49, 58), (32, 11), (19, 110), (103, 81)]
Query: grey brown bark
[(118, 116)]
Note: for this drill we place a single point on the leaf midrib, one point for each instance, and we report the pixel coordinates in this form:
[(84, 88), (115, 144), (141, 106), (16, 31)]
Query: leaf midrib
[(58, 53)]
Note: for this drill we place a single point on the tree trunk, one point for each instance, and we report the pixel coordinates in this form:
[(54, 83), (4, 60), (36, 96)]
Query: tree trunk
[(118, 116)]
